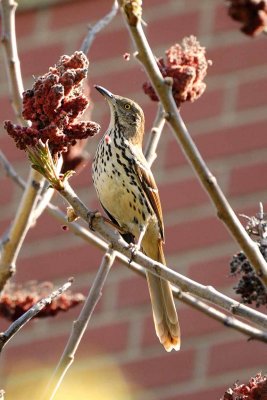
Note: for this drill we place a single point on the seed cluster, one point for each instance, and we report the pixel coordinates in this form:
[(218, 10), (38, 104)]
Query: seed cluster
[(187, 65), (54, 106)]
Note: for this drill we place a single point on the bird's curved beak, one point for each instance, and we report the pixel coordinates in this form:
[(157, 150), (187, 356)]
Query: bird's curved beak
[(106, 93)]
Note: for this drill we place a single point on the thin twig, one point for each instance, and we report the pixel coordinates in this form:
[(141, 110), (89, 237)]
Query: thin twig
[(6, 336), (8, 9), (11, 244), (10, 171), (79, 326), (154, 137), (97, 27), (164, 91), (246, 312), (98, 224), (227, 320)]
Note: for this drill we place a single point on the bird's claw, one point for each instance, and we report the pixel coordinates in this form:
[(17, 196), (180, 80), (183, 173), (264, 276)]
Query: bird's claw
[(134, 248), (90, 218)]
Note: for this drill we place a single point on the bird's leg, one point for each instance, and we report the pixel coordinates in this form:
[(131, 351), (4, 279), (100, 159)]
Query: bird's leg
[(135, 247)]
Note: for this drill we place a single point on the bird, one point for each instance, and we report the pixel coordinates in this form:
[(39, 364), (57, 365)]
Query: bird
[(128, 193)]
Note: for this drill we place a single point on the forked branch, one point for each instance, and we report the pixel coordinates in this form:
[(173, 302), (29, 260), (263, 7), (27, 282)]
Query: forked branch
[(132, 15)]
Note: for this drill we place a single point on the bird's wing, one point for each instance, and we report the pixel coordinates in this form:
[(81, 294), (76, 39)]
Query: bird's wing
[(150, 188)]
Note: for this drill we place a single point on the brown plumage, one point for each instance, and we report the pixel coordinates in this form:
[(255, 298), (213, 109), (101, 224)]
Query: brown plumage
[(128, 192)]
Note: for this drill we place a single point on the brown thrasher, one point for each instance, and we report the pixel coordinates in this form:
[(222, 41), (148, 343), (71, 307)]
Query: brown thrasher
[(128, 193)]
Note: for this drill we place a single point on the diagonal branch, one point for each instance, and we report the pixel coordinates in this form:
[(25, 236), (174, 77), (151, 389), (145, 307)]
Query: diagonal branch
[(208, 293), (10, 245), (187, 298), (6, 336), (97, 27), (79, 326), (154, 137), (8, 39), (164, 91)]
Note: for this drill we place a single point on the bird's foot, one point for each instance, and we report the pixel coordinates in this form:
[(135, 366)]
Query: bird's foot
[(90, 218), (134, 248)]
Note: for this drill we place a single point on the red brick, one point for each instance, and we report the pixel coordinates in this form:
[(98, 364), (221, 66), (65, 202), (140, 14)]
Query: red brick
[(38, 60), (6, 111), (125, 81), (109, 45), (189, 328), (252, 94), (177, 195), (222, 22), (248, 179), (214, 272), (233, 57), (195, 234), (160, 370), (105, 339), (178, 26), (46, 226), (132, 292), (200, 394), (61, 263), (25, 23), (10, 150), (208, 105), (222, 142), (6, 190), (71, 13), (238, 355)]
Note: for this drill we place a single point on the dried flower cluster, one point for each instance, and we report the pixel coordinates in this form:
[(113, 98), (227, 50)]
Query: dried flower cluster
[(54, 106), (250, 287), (17, 299), (251, 13), (187, 66), (256, 389)]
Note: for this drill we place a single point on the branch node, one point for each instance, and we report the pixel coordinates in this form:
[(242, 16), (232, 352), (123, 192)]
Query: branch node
[(168, 80)]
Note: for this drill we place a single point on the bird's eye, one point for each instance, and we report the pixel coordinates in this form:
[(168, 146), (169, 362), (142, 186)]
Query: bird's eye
[(127, 106)]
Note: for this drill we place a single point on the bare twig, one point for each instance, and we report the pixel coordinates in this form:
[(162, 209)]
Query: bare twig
[(154, 137), (164, 92), (31, 313), (10, 171), (11, 245), (79, 326), (8, 9), (234, 308), (137, 268), (98, 224), (101, 24), (226, 320)]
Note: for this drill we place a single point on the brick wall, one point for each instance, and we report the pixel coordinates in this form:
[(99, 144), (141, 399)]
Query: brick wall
[(120, 356)]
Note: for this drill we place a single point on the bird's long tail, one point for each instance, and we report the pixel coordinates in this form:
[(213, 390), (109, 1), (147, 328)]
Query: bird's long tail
[(163, 307)]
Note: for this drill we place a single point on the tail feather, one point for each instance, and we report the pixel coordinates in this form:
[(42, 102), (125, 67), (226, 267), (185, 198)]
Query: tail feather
[(163, 307)]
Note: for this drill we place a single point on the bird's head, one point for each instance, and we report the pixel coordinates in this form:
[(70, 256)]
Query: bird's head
[(125, 113)]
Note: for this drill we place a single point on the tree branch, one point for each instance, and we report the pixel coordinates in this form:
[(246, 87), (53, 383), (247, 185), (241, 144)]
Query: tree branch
[(97, 27), (6, 336), (154, 137), (10, 245), (79, 326), (8, 39), (187, 298), (98, 224), (164, 91)]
